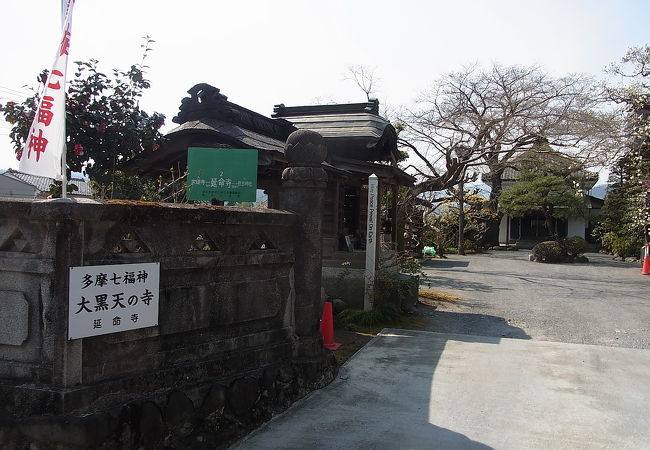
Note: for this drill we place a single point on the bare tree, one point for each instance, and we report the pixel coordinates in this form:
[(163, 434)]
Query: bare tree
[(635, 67), (487, 118), (364, 77), (633, 92)]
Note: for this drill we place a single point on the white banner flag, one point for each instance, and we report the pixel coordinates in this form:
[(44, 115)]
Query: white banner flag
[(43, 151)]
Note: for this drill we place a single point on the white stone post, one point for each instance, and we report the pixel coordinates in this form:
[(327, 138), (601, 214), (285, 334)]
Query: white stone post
[(371, 242)]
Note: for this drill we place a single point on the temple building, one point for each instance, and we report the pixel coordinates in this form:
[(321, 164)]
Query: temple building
[(359, 142), (529, 229)]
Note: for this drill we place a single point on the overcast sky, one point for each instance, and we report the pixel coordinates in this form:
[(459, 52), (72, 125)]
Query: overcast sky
[(261, 53)]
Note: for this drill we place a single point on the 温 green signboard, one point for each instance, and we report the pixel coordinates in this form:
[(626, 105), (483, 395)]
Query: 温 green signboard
[(225, 174)]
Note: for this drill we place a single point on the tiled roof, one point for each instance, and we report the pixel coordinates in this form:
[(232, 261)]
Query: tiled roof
[(43, 183), (247, 137), (359, 135), (348, 125), (392, 173)]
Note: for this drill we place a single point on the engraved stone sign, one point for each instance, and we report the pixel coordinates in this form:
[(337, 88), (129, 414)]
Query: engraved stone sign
[(112, 298)]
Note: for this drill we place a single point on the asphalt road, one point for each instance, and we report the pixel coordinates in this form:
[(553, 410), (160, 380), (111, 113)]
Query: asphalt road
[(603, 302)]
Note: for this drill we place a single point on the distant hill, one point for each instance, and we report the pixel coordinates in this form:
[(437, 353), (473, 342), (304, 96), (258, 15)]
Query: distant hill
[(483, 189), (599, 191)]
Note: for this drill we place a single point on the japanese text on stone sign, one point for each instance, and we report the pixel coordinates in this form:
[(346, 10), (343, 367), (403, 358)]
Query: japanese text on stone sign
[(109, 299)]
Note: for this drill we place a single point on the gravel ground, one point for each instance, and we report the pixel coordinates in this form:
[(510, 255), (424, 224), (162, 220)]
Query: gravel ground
[(602, 302)]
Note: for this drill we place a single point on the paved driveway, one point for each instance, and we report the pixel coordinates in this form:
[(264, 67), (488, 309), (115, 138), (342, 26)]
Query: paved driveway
[(426, 390), (511, 365), (504, 295)]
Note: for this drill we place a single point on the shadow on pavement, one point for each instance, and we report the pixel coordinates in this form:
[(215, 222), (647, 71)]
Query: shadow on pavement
[(410, 358), (444, 263), (435, 282), (601, 260), (383, 399), (468, 323), (444, 438)]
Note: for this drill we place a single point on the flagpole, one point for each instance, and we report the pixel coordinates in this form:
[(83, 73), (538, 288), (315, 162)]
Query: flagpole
[(48, 125), (64, 169), (64, 164), (64, 9)]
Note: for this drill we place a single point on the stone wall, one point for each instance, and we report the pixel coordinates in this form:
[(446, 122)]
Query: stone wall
[(345, 284), (224, 356)]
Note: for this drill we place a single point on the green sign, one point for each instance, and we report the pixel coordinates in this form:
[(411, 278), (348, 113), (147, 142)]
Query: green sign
[(225, 174)]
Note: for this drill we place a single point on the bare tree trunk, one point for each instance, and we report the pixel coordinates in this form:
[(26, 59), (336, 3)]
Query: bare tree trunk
[(548, 221), (461, 215), (492, 233), (495, 189)]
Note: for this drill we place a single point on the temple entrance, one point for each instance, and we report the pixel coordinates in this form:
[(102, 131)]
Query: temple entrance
[(531, 227)]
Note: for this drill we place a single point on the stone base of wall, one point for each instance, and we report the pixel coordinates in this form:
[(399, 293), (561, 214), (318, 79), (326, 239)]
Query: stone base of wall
[(205, 416), (344, 283), (28, 399), (397, 289)]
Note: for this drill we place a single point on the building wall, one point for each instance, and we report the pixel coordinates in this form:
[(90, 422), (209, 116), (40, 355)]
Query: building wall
[(12, 188), (503, 229), (576, 227)]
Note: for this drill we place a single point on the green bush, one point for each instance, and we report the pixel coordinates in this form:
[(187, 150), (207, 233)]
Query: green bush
[(607, 240), (127, 187), (409, 264), (626, 246), (549, 252), (380, 315), (470, 246), (574, 245)]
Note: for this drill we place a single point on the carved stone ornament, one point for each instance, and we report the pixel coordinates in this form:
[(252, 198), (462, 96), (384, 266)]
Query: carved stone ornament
[(305, 175), (207, 102), (305, 148)]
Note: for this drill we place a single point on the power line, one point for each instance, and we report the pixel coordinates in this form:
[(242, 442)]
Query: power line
[(14, 91), (8, 89), (11, 97), (6, 92)]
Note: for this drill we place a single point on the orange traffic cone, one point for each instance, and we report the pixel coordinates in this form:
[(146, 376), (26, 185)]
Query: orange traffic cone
[(327, 327), (646, 265)]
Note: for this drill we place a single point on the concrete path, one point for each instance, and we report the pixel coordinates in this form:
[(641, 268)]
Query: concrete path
[(426, 390), (576, 377)]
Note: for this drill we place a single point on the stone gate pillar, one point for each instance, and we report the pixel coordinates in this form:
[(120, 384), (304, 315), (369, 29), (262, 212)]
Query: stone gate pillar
[(303, 193)]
